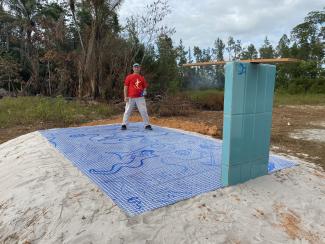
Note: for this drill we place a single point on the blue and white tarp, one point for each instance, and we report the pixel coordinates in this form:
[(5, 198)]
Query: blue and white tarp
[(141, 170)]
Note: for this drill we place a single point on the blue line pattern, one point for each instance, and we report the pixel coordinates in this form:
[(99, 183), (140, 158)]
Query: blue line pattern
[(242, 69), (142, 170)]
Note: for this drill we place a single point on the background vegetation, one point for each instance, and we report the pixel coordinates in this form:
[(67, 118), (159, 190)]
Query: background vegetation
[(79, 49), (25, 111)]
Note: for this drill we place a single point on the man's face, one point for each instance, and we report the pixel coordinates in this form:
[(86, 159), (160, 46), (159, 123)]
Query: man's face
[(136, 69)]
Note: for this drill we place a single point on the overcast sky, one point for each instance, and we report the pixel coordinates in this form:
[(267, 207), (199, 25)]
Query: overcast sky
[(200, 22)]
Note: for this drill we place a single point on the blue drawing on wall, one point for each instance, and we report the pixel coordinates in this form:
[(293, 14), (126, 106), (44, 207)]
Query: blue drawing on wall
[(241, 69)]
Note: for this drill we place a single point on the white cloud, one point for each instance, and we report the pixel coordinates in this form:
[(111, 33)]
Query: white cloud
[(199, 23)]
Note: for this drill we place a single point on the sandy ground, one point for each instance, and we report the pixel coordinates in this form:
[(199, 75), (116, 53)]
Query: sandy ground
[(45, 199), (305, 121), (310, 135)]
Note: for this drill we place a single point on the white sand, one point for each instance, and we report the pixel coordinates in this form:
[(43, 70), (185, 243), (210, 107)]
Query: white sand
[(309, 135), (45, 199), (314, 134), (318, 123)]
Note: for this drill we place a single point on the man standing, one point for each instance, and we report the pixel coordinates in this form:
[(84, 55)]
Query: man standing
[(134, 91)]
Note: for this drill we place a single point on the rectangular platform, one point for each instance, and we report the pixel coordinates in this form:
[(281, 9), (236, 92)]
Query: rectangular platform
[(143, 170)]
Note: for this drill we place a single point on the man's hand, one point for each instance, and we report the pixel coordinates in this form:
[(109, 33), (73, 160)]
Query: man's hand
[(126, 99), (144, 93)]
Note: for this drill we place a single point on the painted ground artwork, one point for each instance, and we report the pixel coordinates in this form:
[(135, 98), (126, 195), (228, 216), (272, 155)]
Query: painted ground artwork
[(142, 170)]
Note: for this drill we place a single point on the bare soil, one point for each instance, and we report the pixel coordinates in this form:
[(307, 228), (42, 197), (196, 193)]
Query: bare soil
[(286, 120), (290, 119)]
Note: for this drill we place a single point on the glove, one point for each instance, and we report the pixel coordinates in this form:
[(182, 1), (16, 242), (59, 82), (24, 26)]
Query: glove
[(144, 93)]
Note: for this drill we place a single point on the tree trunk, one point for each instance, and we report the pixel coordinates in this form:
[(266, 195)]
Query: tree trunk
[(9, 83), (48, 67), (91, 64), (7, 43), (80, 79)]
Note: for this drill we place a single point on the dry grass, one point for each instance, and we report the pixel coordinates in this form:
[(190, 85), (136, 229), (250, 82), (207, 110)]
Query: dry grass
[(33, 110), (176, 105), (206, 99)]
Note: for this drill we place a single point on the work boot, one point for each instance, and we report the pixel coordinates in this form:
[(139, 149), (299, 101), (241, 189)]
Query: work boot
[(123, 127)]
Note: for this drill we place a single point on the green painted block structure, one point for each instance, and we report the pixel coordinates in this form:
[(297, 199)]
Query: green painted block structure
[(249, 90)]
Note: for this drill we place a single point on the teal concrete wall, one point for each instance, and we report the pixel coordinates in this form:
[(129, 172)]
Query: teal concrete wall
[(249, 91)]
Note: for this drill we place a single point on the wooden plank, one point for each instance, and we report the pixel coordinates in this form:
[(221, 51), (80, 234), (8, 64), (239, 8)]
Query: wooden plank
[(271, 60), (205, 63), (255, 61)]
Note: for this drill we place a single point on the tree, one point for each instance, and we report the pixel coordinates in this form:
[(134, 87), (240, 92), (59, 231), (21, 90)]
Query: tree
[(230, 47), (219, 49), (52, 55), (309, 36), (283, 48), (23, 18), (206, 55), (197, 54), (181, 53), (237, 49), (189, 58), (266, 51), (181, 58), (249, 53), (99, 29), (147, 27), (167, 73), (9, 73), (307, 39)]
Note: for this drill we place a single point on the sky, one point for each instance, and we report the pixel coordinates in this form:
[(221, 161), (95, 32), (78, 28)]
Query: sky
[(201, 22)]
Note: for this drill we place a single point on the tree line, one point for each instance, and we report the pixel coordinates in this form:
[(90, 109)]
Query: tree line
[(80, 49), (306, 42)]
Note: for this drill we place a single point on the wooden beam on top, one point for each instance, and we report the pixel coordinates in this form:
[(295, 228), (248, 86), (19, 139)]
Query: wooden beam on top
[(271, 60), (254, 61), (205, 63)]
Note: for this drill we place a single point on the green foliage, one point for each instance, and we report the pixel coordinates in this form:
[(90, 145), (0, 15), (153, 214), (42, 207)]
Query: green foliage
[(211, 99), (181, 53), (51, 10), (9, 72), (266, 51), (317, 86), (219, 49), (197, 54), (283, 48), (249, 53), (167, 71), (31, 110), (237, 49), (283, 98), (230, 46), (309, 36), (89, 55), (84, 14), (308, 45)]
